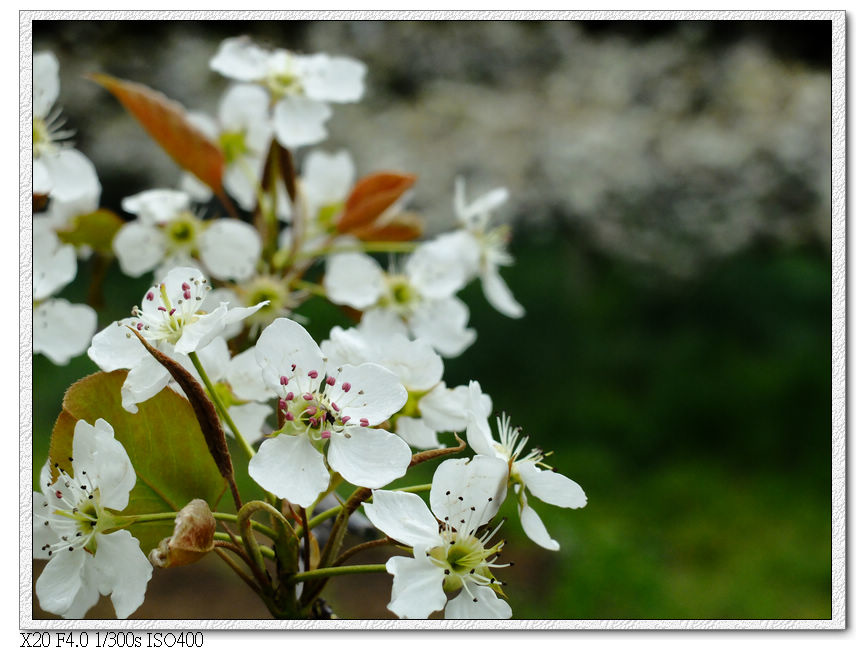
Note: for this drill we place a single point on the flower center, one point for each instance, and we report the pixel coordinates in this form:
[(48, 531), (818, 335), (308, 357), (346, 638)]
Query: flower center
[(181, 232), (74, 514), (165, 321), (267, 288), (233, 145), (401, 296), (464, 558), (314, 405)]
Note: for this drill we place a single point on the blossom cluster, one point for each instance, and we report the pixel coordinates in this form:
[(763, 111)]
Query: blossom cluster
[(220, 323)]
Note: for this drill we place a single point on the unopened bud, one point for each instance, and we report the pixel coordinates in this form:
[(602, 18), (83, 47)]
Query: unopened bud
[(194, 527)]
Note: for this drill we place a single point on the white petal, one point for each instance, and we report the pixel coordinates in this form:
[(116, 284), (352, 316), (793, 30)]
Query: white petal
[(244, 377), (156, 206), (224, 295), (239, 58), (437, 269), (244, 106), (417, 434), (41, 177), (123, 570), (331, 78), (535, 529), (353, 279), (62, 330), (204, 123), (283, 344), (60, 581), (369, 457), (144, 381), (443, 324), (46, 82), (416, 364), (417, 587), (446, 409), (230, 249), (291, 468), (249, 419), (299, 121), (404, 517), (551, 487), (238, 183), (499, 295), (484, 204), (481, 603), (326, 179), (374, 393), (54, 264), (73, 179), (480, 437), (115, 348), (197, 191), (459, 485), (139, 247), (104, 461), (381, 324), (198, 334)]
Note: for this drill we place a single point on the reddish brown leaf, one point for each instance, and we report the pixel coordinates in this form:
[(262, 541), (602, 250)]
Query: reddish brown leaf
[(371, 196), (166, 122), (405, 226)]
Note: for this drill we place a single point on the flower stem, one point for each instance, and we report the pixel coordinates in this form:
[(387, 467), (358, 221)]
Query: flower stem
[(223, 412), (338, 571)]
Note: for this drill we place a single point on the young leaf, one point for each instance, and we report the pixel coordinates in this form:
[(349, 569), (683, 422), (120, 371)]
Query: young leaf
[(94, 229), (165, 120), (163, 441), (404, 226), (371, 196)]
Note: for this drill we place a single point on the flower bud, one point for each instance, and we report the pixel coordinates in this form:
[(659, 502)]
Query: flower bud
[(192, 539)]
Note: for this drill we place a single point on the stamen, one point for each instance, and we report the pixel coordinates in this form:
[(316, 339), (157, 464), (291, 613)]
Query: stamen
[(346, 386)]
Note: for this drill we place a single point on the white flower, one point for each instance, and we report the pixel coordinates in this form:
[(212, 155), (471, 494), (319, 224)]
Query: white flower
[(58, 170), (524, 473), (70, 522), (61, 330), (431, 406), (171, 320), (300, 85), (167, 234), (242, 131), (483, 249), (421, 294), (323, 188), (326, 415), (449, 552)]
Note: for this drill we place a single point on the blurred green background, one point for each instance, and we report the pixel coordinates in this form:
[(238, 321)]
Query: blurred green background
[(675, 354)]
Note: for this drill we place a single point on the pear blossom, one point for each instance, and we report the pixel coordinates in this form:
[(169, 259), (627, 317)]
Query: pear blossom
[(300, 86), (72, 524), (450, 552), (61, 330), (324, 185), (528, 474), (482, 249), (242, 131), (59, 170), (170, 319), (329, 419), (167, 234), (421, 293), (431, 406)]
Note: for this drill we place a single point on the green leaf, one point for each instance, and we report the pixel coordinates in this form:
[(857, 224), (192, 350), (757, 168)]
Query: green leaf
[(94, 229), (164, 443)]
